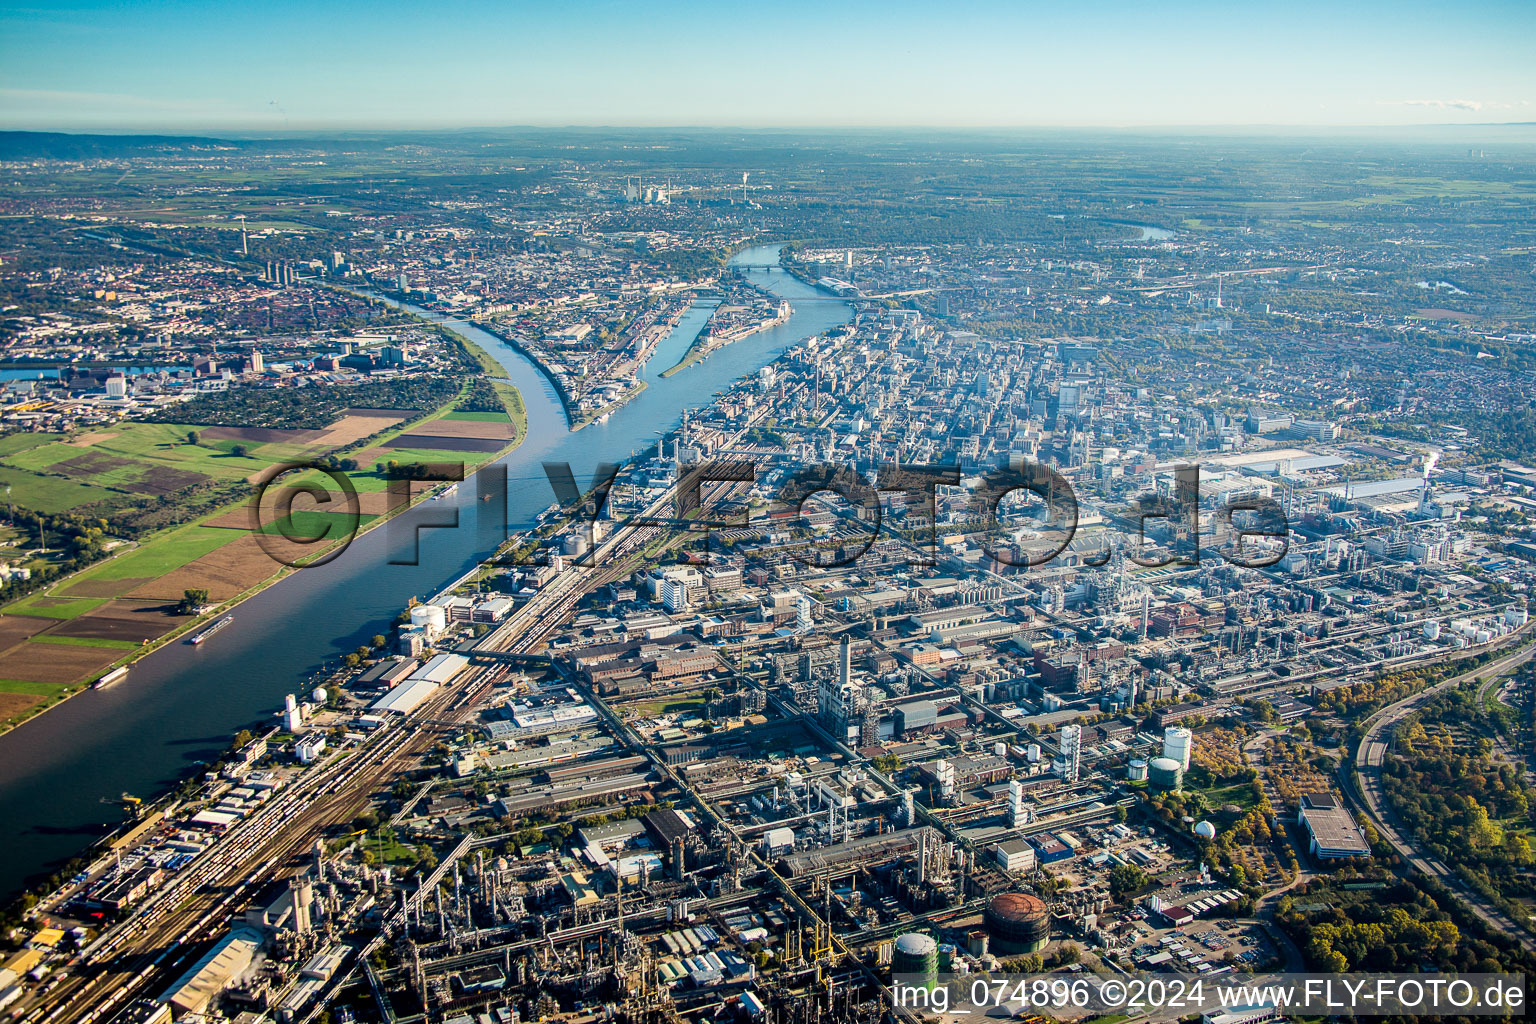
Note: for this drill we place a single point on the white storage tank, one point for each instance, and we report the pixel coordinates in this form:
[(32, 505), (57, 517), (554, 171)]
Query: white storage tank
[(431, 617), (1136, 771), (1179, 744), (1432, 630), (319, 695)]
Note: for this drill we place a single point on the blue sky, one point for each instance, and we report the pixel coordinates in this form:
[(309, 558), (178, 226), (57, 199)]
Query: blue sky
[(276, 65)]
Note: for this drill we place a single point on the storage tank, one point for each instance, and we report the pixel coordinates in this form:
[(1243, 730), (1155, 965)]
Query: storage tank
[(1205, 830), (431, 617), (916, 954), (1018, 923), (1178, 743), (1432, 630), (1165, 773), (1136, 771)]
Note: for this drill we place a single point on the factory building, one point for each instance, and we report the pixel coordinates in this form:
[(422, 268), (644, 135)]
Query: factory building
[(1014, 855), (218, 968), (1069, 764), (1332, 829)]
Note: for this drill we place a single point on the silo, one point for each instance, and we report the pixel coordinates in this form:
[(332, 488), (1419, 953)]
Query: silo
[(1017, 923), (431, 617), (916, 956), (1179, 744), (1165, 773)]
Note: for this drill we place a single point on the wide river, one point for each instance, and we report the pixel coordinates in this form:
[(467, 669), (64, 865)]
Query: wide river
[(62, 774)]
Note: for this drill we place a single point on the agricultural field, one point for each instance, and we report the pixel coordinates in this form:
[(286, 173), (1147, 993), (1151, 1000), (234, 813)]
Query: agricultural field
[(55, 642)]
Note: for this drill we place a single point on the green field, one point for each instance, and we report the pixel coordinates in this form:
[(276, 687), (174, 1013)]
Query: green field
[(55, 607), (36, 689), (165, 553), (306, 523), (86, 641), (130, 460), (12, 443), (478, 417), (1240, 793), (166, 444), (48, 493)]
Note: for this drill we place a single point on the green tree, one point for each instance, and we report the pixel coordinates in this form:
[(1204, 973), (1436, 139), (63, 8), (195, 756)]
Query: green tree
[(192, 600)]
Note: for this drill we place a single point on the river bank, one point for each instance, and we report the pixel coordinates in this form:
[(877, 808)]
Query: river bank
[(165, 544), (179, 706)]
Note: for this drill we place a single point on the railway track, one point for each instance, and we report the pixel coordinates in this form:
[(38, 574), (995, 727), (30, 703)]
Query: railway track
[(149, 950), (158, 940)]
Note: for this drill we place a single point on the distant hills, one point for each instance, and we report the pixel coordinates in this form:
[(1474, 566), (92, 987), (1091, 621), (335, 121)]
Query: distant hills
[(60, 146)]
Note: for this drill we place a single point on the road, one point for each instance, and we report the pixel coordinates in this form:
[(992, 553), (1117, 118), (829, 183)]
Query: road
[(1370, 755)]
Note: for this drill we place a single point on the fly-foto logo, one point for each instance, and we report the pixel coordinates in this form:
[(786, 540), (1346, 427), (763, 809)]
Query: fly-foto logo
[(1252, 531)]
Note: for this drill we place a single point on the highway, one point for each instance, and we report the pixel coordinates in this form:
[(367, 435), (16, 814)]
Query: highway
[(1370, 755)]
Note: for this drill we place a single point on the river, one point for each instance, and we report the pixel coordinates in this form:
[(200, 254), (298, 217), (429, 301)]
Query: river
[(64, 771)]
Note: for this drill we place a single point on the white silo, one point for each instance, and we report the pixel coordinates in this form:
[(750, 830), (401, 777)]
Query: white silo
[(431, 617), (1179, 744)]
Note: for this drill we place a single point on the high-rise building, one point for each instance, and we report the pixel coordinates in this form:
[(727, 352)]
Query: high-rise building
[(1071, 743), (1018, 815), (293, 720)]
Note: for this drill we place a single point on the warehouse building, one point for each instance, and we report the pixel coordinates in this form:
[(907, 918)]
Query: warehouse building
[(219, 968), (1332, 828)]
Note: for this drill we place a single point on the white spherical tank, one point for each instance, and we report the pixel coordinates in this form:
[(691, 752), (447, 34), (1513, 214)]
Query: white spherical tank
[(1205, 830), (319, 696)]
